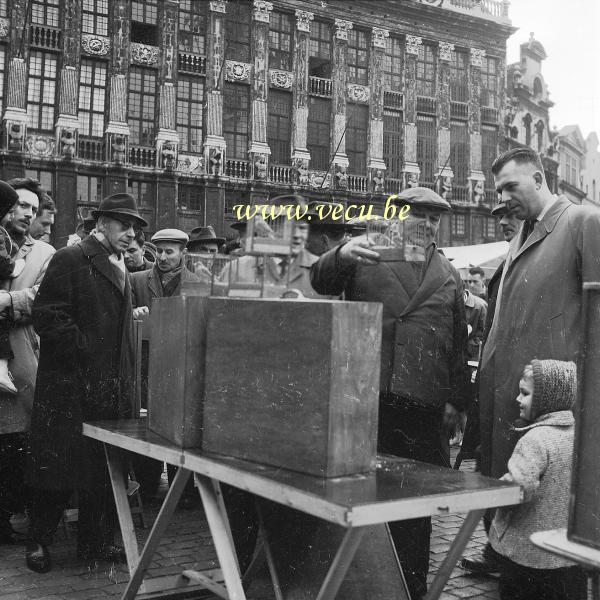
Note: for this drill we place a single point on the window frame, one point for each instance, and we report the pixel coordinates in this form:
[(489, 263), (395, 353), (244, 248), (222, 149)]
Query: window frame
[(358, 57), (318, 127), (426, 71), (489, 82), (99, 184), (279, 35), (46, 10), (196, 17), (238, 25), (233, 128), (93, 86), (357, 134), (194, 118), (140, 120), (426, 160), (393, 78), (97, 15), (393, 142), (44, 80), (280, 145), (459, 76)]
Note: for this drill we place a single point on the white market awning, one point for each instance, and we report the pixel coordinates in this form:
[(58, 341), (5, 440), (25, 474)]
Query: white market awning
[(486, 256)]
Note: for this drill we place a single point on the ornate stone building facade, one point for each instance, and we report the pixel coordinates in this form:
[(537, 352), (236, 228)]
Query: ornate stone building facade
[(194, 106)]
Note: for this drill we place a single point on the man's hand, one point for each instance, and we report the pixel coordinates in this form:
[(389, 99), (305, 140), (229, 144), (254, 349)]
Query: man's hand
[(140, 311), (451, 419), (358, 251), (5, 302)]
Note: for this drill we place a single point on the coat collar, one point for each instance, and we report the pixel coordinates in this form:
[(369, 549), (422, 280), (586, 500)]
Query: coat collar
[(98, 255), (436, 274), (26, 247), (155, 286), (560, 418), (303, 262), (542, 228)]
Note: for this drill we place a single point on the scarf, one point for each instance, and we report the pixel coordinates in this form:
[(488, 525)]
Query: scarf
[(170, 280)]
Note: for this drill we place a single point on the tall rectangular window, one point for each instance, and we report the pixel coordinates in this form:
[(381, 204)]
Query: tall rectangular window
[(489, 152), (89, 189), (238, 21), (144, 19), (319, 50), (358, 57), (489, 82), (356, 138), (393, 64), (236, 119), (94, 16), (142, 191), (459, 225), (190, 197), (280, 41), (45, 178), (192, 26), (459, 157), (2, 69), (41, 91), (426, 148), (459, 77), (571, 170), (3, 8), (489, 228), (142, 100), (426, 71), (318, 134), (279, 126), (92, 97), (190, 100), (393, 127), (45, 12)]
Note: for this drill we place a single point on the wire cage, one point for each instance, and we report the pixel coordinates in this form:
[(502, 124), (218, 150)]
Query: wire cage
[(272, 236), (398, 240), (206, 268)]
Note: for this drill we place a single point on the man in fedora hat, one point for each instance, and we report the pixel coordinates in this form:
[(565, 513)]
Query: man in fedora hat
[(423, 352), (204, 239), (82, 314)]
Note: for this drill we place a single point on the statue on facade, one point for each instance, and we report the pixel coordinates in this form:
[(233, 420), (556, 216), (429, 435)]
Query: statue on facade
[(15, 136), (260, 167), (478, 192), (215, 158), (378, 181), (341, 177), (118, 146), (168, 153), (67, 142)]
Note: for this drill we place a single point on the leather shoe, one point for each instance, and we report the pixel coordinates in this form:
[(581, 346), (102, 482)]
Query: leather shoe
[(37, 558), (480, 565), (108, 552)]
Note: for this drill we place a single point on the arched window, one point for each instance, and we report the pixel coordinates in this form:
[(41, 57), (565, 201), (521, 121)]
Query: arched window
[(539, 129), (527, 122), (537, 87)]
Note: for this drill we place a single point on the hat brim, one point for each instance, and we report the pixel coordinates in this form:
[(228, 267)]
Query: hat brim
[(125, 212), (499, 210), (215, 240)]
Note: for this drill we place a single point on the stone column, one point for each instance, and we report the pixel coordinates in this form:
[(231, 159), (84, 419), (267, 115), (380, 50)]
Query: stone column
[(300, 154), (117, 132), (68, 123), (476, 188), (375, 162), (214, 142), (444, 174), (259, 149), (339, 78), (410, 169), (167, 140), (15, 115)]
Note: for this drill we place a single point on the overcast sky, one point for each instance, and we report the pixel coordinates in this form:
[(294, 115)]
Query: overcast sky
[(569, 30)]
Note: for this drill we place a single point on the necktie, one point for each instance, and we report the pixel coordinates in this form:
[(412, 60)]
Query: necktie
[(283, 266), (527, 230)]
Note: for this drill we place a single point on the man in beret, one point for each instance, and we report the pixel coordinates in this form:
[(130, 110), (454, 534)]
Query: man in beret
[(423, 353), (82, 314)]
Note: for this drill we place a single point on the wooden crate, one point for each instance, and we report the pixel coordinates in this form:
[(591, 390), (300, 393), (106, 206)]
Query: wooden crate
[(176, 369), (293, 383)]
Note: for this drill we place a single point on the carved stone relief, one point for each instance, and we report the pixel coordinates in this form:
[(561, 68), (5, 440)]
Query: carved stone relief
[(262, 10), (358, 93), (412, 44), (281, 79), (143, 54), (237, 71), (446, 51), (342, 28), (303, 19), (477, 56), (379, 36), (97, 45)]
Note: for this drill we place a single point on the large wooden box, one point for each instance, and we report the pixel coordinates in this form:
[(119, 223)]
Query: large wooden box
[(176, 369), (293, 383)]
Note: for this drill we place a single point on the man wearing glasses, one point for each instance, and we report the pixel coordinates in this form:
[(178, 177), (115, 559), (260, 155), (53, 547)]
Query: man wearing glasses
[(82, 314)]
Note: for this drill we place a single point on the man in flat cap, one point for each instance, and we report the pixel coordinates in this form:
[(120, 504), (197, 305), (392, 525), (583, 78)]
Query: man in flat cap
[(423, 353), (325, 232), (82, 314)]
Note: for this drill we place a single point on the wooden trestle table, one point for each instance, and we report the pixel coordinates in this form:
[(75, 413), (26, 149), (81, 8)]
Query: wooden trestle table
[(399, 489)]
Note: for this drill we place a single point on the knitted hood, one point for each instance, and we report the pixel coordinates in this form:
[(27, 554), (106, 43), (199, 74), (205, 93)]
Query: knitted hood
[(554, 386)]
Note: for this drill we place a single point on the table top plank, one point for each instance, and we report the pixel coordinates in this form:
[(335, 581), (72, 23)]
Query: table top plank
[(398, 489), (556, 542)]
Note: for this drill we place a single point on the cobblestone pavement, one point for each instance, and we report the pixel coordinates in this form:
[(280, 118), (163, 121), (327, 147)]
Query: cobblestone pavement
[(187, 545)]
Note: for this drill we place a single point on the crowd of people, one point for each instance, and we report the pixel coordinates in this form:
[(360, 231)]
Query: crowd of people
[(73, 311)]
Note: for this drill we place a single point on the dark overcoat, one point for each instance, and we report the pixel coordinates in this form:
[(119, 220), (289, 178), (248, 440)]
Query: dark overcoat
[(424, 328), (539, 316), (146, 285), (86, 366)]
